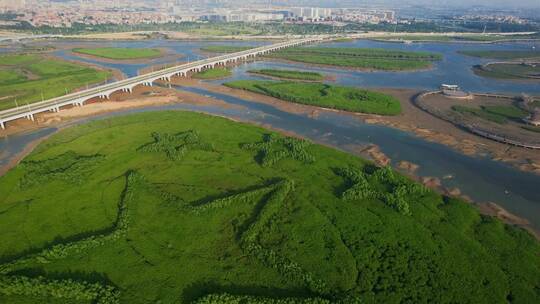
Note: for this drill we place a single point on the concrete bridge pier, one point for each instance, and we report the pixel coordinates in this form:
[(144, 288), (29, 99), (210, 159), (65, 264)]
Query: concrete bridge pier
[(2, 125), (30, 117)]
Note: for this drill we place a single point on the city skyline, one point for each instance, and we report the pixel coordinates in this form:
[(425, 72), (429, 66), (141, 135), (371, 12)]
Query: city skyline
[(322, 3)]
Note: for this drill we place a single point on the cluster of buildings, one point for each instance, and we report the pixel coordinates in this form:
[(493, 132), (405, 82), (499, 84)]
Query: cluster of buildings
[(300, 14), (493, 18), (92, 12)]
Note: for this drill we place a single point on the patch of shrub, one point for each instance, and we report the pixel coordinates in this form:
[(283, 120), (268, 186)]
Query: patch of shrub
[(240, 299), (60, 289), (68, 167), (274, 148), (176, 146), (384, 184)]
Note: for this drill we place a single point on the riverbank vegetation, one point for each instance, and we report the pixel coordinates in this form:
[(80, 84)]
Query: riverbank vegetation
[(360, 58), (502, 55), (29, 78), (531, 128), (289, 74), (323, 95), (363, 58), (244, 215), (497, 114), (120, 53), (216, 73), (509, 71)]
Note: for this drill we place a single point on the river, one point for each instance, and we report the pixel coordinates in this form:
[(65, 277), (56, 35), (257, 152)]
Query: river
[(479, 178)]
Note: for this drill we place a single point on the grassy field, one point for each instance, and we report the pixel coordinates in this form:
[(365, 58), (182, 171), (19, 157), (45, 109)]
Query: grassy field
[(29, 78), (178, 207), (502, 55), (120, 53), (362, 58), (508, 71), (217, 73), (324, 95), (290, 74), (497, 114)]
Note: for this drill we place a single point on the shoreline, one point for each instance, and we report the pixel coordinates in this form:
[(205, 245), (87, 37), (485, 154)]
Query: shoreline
[(372, 152)]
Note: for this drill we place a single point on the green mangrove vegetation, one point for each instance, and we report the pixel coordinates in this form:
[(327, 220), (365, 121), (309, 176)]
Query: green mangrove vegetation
[(290, 74), (502, 55), (323, 95), (531, 128), (181, 207), (120, 53), (216, 73), (509, 71), (497, 114), (29, 78), (362, 58)]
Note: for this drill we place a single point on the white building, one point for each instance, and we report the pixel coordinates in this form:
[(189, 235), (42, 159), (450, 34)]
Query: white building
[(312, 13)]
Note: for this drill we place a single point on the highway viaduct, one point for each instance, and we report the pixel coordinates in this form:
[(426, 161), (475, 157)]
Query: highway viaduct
[(127, 85)]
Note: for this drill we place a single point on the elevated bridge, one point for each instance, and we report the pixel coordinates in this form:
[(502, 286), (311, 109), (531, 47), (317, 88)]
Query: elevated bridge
[(127, 85)]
